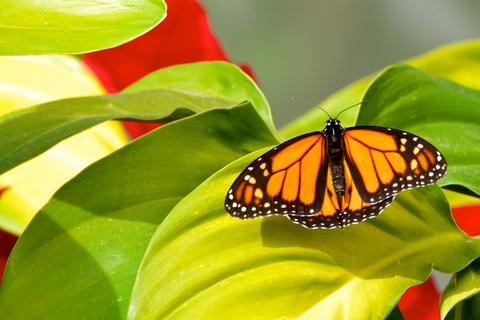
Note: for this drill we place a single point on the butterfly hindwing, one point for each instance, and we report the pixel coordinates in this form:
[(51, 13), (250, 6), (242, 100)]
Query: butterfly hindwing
[(386, 161), (290, 178), (340, 213), (343, 219)]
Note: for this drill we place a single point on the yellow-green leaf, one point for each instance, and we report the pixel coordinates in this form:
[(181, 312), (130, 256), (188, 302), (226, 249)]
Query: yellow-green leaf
[(25, 81)]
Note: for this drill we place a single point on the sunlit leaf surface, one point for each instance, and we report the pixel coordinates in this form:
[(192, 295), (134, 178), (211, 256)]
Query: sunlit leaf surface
[(73, 26), (26, 81), (202, 262)]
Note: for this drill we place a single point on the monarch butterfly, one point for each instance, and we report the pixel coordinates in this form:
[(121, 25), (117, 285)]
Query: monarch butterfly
[(336, 177)]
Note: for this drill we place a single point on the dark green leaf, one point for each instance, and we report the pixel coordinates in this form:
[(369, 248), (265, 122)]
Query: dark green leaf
[(461, 298), (444, 113), (395, 315)]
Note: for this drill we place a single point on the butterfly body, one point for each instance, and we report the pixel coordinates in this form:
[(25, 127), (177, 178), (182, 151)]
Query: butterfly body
[(335, 177), (333, 133)]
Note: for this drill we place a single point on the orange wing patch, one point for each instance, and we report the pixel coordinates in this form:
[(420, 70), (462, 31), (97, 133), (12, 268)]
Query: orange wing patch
[(274, 185), (287, 179), (374, 139), (290, 155), (291, 183), (385, 161), (310, 169)]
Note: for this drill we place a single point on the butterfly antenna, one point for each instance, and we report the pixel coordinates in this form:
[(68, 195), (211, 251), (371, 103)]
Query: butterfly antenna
[(356, 104), (312, 104)]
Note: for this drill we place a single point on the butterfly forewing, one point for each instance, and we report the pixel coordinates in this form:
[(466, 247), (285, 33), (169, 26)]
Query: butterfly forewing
[(289, 179), (386, 161)]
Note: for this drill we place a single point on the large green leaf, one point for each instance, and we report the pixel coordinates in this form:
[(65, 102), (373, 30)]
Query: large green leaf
[(79, 256), (74, 26), (45, 125), (461, 298), (211, 79), (458, 62), (442, 112), (204, 264), (160, 96)]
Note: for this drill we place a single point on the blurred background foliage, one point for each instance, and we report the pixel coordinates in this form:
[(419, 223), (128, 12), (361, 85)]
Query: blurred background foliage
[(313, 48)]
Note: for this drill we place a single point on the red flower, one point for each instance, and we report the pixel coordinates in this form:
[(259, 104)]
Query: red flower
[(184, 37), (421, 302), (468, 219), (7, 241)]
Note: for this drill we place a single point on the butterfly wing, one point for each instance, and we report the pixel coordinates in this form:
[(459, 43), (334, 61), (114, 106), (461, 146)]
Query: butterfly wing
[(290, 178), (340, 213), (386, 161)]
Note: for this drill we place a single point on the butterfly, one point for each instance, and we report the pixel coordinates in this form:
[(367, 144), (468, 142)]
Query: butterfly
[(336, 177)]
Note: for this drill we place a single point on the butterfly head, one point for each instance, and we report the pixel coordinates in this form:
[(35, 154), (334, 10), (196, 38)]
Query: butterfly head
[(333, 122), (333, 127)]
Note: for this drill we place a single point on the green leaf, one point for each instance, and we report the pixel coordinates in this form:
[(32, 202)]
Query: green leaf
[(75, 26), (208, 79), (461, 298), (442, 112), (45, 125), (170, 98), (204, 264), (79, 257), (457, 199), (30, 80), (458, 62), (395, 314)]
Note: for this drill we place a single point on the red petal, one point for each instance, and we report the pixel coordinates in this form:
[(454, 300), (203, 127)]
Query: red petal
[(421, 302), (468, 219), (7, 241), (185, 36), (248, 70), (137, 128)]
